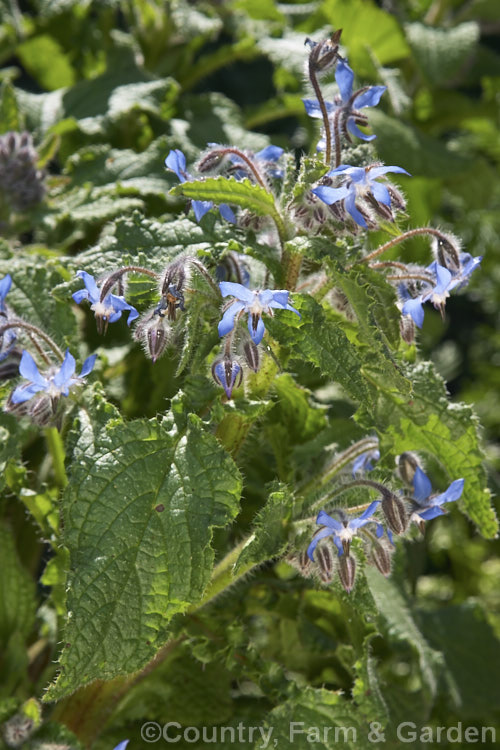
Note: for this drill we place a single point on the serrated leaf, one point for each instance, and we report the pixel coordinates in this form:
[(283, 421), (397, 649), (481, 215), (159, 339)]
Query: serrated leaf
[(428, 422), (235, 192), (269, 537), (30, 296), (139, 513), (321, 341)]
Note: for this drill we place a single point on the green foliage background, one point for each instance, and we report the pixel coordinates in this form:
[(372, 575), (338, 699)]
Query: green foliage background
[(107, 88)]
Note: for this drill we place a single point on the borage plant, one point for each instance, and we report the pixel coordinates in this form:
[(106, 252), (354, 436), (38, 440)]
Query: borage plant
[(279, 306)]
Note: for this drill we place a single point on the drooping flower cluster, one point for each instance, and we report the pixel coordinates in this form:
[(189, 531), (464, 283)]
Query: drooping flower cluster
[(398, 511)]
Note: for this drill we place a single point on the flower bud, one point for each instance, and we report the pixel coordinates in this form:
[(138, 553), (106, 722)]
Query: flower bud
[(407, 329), (347, 572), (407, 465), (154, 332), (324, 560), (380, 556), (42, 409), (324, 55), (21, 183), (227, 373), (446, 249), (395, 512), (252, 356)]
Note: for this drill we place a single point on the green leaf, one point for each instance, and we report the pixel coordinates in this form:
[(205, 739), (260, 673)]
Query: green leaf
[(235, 192), (30, 296), (428, 422), (139, 513), (401, 625), (269, 537), (471, 656), (443, 54), (45, 59), (10, 118), (321, 341), (316, 718), (17, 591)]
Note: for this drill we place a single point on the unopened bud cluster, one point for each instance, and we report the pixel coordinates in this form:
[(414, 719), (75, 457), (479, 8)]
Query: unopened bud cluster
[(21, 182)]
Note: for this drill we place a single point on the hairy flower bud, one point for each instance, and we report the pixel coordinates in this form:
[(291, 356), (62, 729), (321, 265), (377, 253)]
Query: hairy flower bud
[(252, 356), (21, 183), (380, 556), (324, 560), (446, 250), (347, 572), (407, 329), (154, 332), (407, 464), (324, 54), (395, 512), (227, 373)]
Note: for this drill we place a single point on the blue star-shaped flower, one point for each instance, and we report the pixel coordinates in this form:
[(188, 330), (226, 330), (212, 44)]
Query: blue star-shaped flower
[(254, 303), (176, 162), (446, 280), (107, 311), (55, 382), (427, 506), (359, 181), (348, 103), (342, 531)]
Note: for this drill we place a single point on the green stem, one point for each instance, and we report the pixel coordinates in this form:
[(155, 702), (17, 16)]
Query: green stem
[(56, 450)]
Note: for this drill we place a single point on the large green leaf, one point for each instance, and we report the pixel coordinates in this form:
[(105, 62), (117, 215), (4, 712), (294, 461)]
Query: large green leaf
[(139, 513)]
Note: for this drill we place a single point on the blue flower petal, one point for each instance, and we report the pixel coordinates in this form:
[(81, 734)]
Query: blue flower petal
[(65, 373), (29, 370), (330, 195), (450, 495), (414, 308), (227, 323), (369, 98), (364, 518), (90, 286), (24, 392), (344, 77), (270, 153), (239, 291), (354, 130), (200, 208), (227, 213), (5, 285), (350, 206), (176, 161), (257, 334), (430, 513), (88, 365), (380, 193), (321, 534), (422, 486), (323, 519)]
